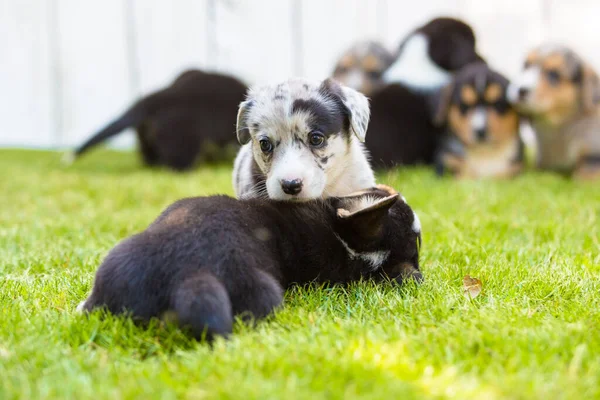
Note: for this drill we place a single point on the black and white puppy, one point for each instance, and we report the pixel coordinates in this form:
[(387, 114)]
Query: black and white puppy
[(177, 125), (205, 260), (402, 129), (302, 140)]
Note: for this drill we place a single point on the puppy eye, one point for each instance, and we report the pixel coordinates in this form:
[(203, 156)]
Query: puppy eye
[(316, 139), (553, 77), (266, 146)]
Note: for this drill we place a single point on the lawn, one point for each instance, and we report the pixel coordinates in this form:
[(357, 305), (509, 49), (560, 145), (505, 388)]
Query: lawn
[(533, 332)]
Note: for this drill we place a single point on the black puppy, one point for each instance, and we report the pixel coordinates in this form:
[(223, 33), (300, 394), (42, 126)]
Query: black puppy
[(206, 259), (175, 125), (401, 130)]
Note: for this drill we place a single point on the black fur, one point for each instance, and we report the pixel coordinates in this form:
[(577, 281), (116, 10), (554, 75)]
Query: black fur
[(323, 119), (401, 131), (205, 260), (175, 124), (452, 43)]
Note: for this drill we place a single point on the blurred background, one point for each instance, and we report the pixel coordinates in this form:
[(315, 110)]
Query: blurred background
[(70, 66)]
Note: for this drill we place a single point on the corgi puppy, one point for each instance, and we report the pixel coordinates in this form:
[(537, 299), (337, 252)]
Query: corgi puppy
[(482, 129), (205, 260)]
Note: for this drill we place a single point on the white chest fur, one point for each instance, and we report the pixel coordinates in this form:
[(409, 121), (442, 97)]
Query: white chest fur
[(414, 67)]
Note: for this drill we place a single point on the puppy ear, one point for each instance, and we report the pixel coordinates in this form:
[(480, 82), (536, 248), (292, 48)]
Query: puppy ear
[(242, 130), (356, 105), (441, 104), (363, 217), (590, 89)]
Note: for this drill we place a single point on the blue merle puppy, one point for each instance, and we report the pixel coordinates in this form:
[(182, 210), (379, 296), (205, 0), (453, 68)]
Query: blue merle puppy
[(205, 260), (302, 140)]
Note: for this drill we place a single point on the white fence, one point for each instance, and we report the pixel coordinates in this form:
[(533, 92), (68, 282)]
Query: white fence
[(68, 66)]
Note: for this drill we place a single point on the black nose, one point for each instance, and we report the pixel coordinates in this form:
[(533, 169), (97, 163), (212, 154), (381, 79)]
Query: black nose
[(291, 187), (523, 92), (480, 134)]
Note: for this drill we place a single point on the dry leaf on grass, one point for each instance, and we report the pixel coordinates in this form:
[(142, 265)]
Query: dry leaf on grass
[(471, 287)]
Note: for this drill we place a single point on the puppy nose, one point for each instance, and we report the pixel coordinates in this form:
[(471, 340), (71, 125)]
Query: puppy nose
[(523, 92), (480, 134), (293, 186)]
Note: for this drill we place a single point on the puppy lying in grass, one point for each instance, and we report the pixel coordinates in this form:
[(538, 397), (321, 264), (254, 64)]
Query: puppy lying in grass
[(205, 260)]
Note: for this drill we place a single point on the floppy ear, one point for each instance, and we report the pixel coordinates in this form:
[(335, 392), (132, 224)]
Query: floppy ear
[(441, 103), (241, 128), (590, 89), (363, 217), (355, 104)]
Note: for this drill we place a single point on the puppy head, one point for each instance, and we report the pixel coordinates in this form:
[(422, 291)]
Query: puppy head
[(377, 227), (554, 85), (361, 67), (300, 132), (475, 108), (451, 43)]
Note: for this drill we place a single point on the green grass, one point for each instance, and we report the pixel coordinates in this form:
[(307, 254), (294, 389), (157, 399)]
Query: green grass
[(534, 332)]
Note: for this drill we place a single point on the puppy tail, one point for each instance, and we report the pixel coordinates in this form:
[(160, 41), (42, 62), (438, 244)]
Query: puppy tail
[(202, 305), (132, 117)]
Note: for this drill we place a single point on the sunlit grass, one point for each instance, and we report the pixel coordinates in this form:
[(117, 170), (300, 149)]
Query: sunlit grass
[(532, 333)]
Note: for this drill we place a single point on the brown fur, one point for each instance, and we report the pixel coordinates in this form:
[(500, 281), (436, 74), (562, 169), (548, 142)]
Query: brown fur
[(563, 107), (482, 129), (361, 66)]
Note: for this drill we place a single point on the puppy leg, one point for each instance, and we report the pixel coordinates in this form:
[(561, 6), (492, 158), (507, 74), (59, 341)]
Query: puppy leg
[(255, 295), (453, 163), (201, 303), (147, 150), (511, 171), (588, 168)]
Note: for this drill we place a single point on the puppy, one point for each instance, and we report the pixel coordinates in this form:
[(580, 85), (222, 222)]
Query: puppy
[(427, 58), (560, 94), (205, 260), (402, 129), (177, 124), (361, 66), (302, 140), (482, 129)]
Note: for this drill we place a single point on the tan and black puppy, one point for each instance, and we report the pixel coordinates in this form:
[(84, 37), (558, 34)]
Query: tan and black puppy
[(482, 138), (361, 67), (560, 94)]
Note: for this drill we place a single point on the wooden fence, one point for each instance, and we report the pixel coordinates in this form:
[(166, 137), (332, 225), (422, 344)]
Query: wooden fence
[(68, 66)]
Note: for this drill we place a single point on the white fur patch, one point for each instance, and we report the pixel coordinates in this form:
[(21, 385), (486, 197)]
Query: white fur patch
[(355, 79), (80, 306), (242, 171), (528, 79), (479, 119), (416, 225), (415, 69), (374, 259)]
